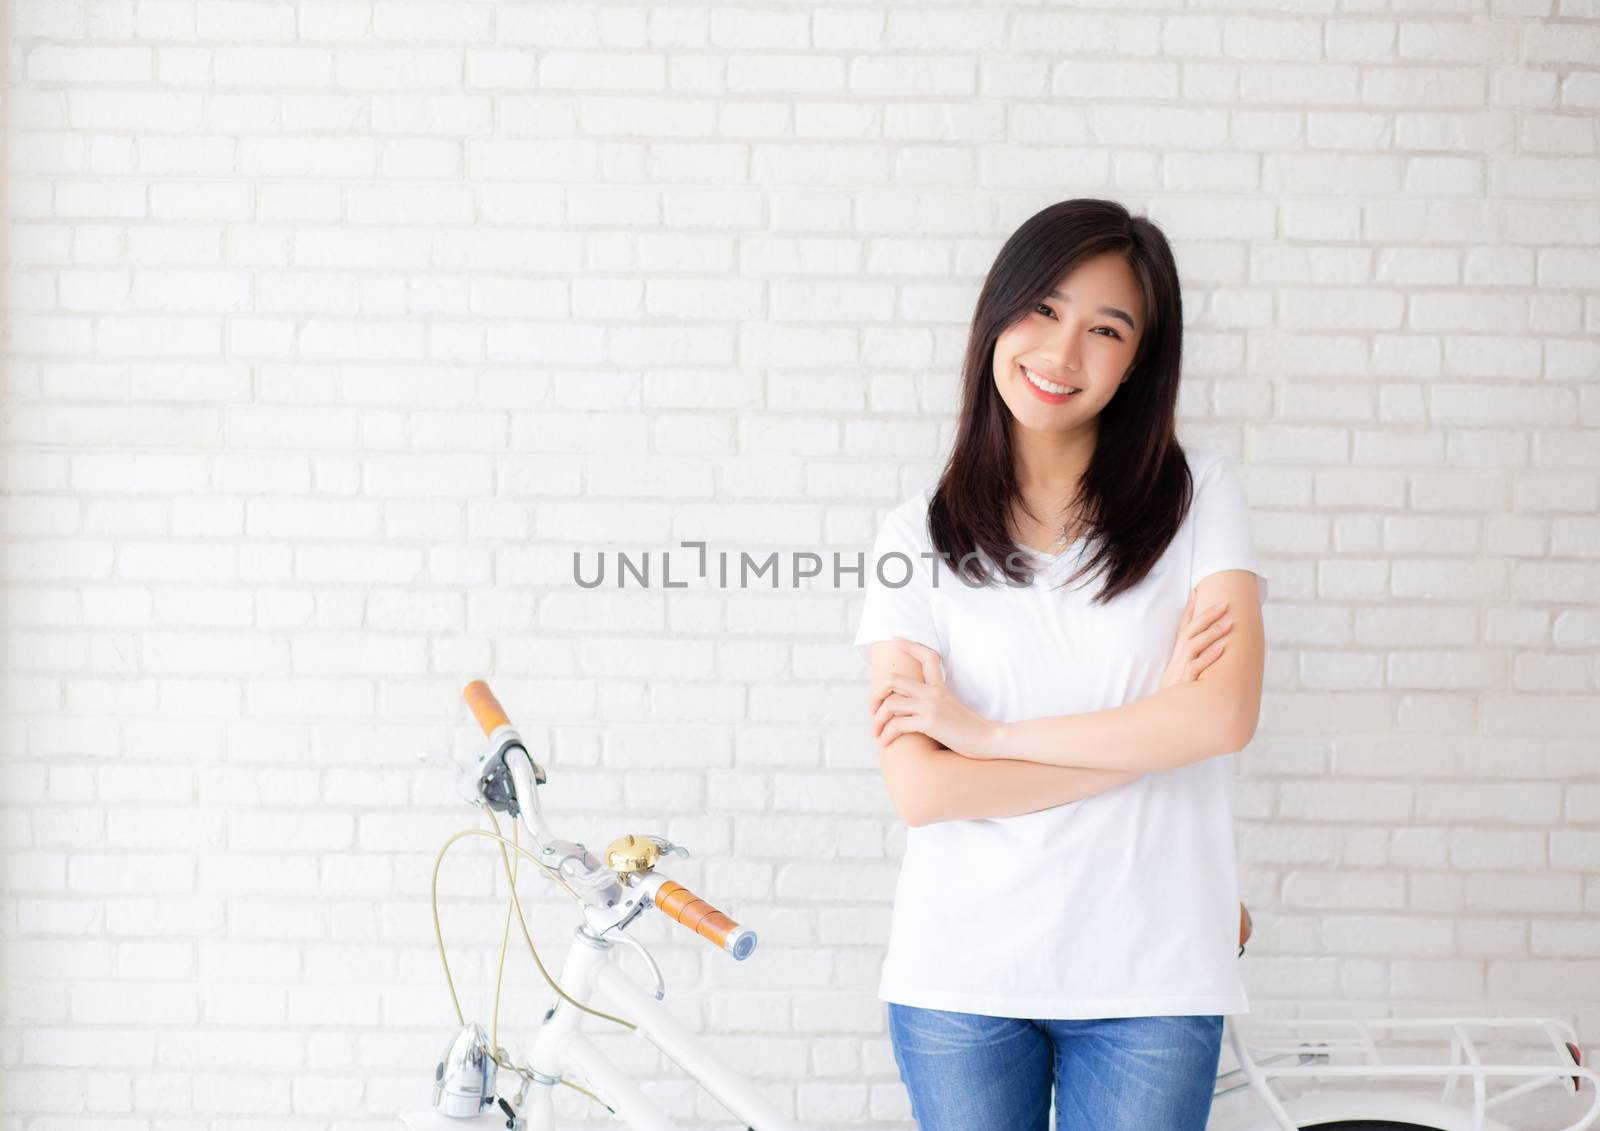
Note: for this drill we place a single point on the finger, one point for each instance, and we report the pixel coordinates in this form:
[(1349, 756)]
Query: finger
[(911, 646), (921, 652), (1203, 619), (905, 686), (900, 724), (1206, 616), (932, 672), (893, 706), (1186, 630), (885, 714), (1205, 659), (932, 668), (1211, 635)]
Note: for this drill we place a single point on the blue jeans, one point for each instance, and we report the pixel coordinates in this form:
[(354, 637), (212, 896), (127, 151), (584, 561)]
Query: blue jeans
[(970, 1072)]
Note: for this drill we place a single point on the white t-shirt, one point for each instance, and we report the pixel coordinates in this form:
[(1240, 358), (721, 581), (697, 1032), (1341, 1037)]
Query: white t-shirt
[(1123, 904)]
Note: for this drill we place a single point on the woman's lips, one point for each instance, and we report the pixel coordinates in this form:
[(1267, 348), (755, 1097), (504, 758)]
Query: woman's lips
[(1048, 398)]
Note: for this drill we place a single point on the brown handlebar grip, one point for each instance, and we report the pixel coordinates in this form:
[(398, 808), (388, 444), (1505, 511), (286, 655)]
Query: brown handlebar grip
[(704, 920), (485, 707)]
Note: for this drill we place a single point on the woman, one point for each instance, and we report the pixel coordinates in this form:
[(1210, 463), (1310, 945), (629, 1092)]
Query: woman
[(1055, 718)]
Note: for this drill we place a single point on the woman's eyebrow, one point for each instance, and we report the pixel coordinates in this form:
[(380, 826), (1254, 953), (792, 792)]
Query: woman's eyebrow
[(1111, 310)]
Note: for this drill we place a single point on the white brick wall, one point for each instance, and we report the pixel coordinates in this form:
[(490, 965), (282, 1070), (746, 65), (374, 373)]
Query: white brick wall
[(333, 327)]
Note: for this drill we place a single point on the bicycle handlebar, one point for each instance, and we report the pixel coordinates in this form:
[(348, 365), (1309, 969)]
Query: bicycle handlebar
[(679, 903), (485, 707), (704, 920)]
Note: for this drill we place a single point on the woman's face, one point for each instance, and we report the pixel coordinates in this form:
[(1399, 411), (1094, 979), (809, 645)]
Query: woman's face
[(1078, 338)]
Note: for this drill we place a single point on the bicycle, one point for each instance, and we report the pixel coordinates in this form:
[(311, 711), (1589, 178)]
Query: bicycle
[(613, 893)]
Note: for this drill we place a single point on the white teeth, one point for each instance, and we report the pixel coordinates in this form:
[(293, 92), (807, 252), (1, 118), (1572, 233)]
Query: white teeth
[(1048, 386)]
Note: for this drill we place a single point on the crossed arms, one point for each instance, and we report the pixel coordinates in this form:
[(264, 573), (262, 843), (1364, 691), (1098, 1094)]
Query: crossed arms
[(1035, 764)]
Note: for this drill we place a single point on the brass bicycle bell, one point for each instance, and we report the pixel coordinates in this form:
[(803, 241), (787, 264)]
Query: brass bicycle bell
[(630, 854)]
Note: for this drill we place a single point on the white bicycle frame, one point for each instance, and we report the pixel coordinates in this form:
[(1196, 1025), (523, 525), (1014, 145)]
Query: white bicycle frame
[(560, 1049), (1259, 1045)]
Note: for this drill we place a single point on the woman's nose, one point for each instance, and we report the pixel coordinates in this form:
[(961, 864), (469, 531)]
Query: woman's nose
[(1064, 357)]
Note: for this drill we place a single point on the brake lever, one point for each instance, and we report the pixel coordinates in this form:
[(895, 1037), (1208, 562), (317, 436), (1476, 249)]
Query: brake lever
[(666, 846), (655, 971)]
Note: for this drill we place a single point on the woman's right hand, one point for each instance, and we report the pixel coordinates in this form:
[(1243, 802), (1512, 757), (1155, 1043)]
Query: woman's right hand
[(1200, 641)]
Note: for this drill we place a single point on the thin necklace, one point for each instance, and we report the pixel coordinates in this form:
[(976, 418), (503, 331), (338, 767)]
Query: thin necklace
[(1062, 543), (1063, 540)]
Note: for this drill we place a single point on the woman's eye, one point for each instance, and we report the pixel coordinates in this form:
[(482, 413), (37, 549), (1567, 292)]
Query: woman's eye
[(1108, 329)]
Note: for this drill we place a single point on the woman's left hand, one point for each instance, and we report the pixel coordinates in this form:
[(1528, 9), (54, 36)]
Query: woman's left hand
[(902, 704)]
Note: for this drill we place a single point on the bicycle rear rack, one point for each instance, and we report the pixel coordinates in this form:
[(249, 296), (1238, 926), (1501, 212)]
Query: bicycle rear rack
[(1262, 1046)]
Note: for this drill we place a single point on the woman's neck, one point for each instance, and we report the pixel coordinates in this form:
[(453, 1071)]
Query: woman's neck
[(1051, 464)]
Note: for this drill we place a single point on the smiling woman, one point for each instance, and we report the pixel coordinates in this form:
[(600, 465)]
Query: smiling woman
[(1085, 297), (1055, 718)]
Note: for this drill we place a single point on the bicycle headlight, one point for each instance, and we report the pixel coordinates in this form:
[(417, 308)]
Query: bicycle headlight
[(463, 1083)]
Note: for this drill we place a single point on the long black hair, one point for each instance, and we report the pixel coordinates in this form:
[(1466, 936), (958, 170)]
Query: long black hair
[(1137, 489)]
